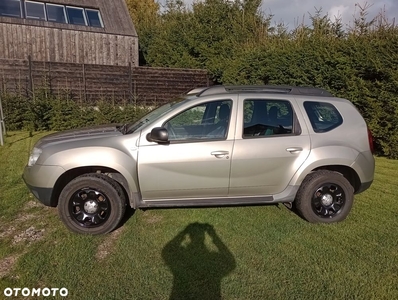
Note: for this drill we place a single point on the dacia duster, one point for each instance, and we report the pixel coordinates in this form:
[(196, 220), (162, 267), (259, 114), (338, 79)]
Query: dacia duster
[(215, 146)]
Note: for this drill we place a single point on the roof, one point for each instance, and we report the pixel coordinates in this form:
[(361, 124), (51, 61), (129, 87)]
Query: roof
[(114, 13), (271, 89)]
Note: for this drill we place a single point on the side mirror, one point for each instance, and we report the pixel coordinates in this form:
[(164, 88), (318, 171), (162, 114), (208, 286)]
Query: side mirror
[(158, 135)]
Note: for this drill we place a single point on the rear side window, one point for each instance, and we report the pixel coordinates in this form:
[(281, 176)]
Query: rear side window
[(323, 116), (267, 118)]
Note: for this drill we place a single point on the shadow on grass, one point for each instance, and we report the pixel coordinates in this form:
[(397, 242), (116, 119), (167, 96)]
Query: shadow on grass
[(197, 270), (29, 136), (127, 215)]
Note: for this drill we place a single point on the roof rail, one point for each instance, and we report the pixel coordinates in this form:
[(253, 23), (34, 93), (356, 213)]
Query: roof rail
[(272, 89), (197, 90)]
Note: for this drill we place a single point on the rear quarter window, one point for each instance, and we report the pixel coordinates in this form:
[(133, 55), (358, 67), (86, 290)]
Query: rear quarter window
[(323, 116)]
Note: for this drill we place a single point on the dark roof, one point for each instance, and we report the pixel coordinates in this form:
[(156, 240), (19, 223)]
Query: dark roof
[(114, 14)]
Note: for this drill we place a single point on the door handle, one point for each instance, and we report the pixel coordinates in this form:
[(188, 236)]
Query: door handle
[(294, 149), (219, 154)]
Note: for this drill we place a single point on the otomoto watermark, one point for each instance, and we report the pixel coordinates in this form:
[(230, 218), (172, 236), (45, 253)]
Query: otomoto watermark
[(39, 292)]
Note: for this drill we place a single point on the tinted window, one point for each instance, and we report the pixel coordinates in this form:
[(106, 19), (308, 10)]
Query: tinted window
[(10, 8), (202, 122), (56, 13), (267, 117), (94, 18), (35, 10), (323, 116), (76, 15)]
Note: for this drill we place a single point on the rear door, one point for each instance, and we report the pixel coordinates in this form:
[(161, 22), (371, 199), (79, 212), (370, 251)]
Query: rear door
[(270, 146)]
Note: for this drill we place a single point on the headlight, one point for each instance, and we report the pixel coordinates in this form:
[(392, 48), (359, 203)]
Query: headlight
[(34, 156)]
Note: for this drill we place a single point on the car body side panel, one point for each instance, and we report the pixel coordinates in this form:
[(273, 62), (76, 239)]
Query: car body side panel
[(184, 170), (364, 166), (43, 176), (325, 156), (96, 156), (346, 145), (263, 166)]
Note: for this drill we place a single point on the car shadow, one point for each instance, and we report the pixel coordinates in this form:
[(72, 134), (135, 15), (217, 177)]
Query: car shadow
[(197, 269), (127, 215), (292, 208)]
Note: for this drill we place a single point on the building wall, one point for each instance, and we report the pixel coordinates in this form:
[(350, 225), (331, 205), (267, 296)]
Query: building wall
[(115, 44), (60, 45)]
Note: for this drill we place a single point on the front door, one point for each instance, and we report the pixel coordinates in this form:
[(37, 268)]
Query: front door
[(196, 162)]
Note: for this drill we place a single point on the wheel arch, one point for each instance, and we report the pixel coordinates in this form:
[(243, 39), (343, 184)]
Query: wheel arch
[(69, 175), (349, 173)]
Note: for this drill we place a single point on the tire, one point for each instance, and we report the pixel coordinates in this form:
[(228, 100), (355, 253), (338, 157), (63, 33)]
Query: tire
[(324, 197), (92, 204)]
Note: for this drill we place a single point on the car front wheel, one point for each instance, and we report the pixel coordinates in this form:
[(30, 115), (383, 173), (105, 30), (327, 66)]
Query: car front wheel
[(92, 204), (324, 197)]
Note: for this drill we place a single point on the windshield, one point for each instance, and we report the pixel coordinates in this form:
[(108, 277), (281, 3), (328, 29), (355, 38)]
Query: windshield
[(150, 117)]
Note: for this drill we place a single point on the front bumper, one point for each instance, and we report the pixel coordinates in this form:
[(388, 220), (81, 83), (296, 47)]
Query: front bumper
[(42, 194), (41, 181)]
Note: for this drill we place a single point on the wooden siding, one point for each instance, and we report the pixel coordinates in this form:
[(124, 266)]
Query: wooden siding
[(88, 82), (57, 45), (114, 14)]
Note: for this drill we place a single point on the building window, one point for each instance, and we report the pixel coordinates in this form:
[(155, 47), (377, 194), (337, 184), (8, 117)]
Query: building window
[(10, 8), (35, 10), (94, 18), (56, 13), (51, 12), (76, 15)]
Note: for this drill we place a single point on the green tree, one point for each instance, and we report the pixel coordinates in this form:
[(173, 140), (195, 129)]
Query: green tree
[(145, 16), (207, 36)]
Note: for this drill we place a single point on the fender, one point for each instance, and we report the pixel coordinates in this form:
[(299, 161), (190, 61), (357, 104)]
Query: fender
[(324, 156)]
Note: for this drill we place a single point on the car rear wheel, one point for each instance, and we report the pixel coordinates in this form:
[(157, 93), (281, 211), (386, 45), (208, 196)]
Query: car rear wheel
[(324, 197), (92, 204)]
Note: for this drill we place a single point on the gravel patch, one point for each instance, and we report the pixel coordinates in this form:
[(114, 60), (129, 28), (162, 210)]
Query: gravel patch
[(30, 235)]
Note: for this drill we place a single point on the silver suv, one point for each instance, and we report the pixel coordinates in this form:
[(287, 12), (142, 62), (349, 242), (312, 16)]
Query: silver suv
[(215, 146)]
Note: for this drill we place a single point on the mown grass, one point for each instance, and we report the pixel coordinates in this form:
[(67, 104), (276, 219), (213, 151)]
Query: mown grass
[(263, 252)]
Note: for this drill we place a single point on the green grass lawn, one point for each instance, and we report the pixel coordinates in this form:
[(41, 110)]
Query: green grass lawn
[(263, 252)]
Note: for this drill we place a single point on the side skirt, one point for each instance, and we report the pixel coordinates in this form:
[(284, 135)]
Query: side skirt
[(288, 195), (199, 202)]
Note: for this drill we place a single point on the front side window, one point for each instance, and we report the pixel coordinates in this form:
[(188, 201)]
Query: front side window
[(207, 121), (76, 16), (10, 8), (94, 18), (323, 116), (56, 13), (35, 10), (267, 118)]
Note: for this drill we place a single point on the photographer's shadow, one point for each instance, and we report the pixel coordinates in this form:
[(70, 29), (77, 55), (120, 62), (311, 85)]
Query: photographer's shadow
[(197, 270)]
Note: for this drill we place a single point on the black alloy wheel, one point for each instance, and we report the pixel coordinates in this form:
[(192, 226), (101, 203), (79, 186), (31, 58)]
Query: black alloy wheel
[(328, 200), (324, 197), (92, 204), (89, 207)]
